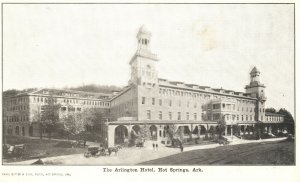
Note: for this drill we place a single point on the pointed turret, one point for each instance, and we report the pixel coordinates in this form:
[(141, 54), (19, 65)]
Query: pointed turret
[(254, 71)]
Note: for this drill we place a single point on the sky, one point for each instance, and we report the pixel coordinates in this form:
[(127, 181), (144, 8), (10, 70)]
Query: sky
[(48, 45)]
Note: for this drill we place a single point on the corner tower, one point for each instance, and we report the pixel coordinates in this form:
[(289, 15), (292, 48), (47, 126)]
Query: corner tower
[(257, 90), (144, 76)]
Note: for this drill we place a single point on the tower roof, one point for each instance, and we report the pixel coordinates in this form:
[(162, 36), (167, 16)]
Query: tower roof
[(143, 30), (254, 70)]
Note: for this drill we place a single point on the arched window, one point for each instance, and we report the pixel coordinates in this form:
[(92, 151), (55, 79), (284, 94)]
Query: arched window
[(23, 131), (17, 130), (9, 130)]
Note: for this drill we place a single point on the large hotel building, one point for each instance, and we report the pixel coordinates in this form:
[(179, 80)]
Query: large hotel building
[(148, 101)]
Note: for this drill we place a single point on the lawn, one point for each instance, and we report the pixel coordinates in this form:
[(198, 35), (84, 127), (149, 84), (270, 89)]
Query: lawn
[(265, 153), (35, 148)]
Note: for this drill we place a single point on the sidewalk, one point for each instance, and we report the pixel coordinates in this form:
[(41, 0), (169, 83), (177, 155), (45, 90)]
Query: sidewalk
[(131, 156)]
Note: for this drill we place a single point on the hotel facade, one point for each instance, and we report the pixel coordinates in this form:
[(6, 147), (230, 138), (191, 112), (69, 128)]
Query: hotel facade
[(149, 102)]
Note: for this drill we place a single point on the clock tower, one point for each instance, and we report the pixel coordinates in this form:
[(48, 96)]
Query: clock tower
[(143, 62), (257, 90)]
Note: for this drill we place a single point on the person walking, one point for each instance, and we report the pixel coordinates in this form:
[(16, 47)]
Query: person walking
[(153, 146), (156, 147), (181, 147)]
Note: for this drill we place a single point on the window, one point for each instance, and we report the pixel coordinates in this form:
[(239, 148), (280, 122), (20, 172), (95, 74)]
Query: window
[(187, 116), (78, 109), (17, 132), (242, 117), (237, 117), (153, 101), (178, 116), (195, 116), (148, 114), (209, 117), (160, 115), (160, 102), (216, 117), (170, 115), (216, 106), (143, 100), (246, 117)]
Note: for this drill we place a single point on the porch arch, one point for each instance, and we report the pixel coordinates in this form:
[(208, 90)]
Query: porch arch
[(153, 132), (136, 130), (121, 133)]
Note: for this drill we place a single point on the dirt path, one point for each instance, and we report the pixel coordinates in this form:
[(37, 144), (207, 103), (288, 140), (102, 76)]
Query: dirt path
[(264, 153)]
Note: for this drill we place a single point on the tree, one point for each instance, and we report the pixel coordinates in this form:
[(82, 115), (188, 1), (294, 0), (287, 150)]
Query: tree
[(270, 110), (96, 88), (73, 124), (145, 132), (171, 130), (288, 120), (50, 116), (221, 127), (93, 121), (175, 134), (37, 117)]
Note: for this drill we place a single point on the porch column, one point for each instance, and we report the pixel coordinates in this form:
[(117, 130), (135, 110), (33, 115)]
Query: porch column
[(243, 129), (191, 128), (157, 132), (111, 135), (266, 129), (129, 128), (225, 130)]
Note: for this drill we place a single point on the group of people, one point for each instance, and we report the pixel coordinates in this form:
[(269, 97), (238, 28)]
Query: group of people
[(155, 146)]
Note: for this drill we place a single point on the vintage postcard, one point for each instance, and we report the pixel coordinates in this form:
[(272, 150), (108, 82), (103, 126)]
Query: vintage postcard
[(157, 88)]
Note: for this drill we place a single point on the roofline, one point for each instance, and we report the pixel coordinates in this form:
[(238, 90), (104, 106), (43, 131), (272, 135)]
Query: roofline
[(274, 114), (121, 93), (210, 92), (132, 122)]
